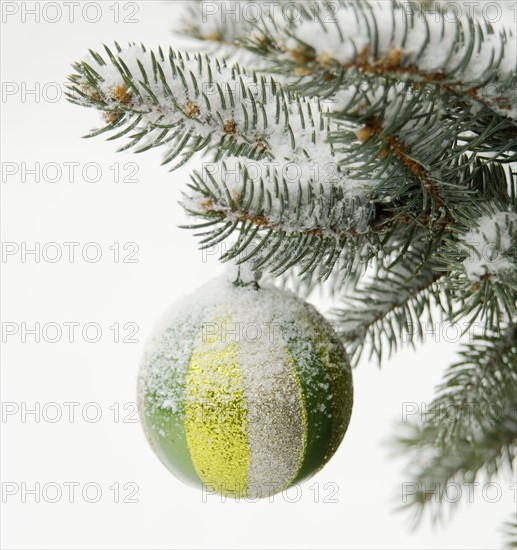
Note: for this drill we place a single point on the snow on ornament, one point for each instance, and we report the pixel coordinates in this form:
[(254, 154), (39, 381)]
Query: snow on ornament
[(244, 390)]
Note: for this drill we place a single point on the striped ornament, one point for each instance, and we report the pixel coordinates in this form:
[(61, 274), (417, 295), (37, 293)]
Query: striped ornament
[(244, 390)]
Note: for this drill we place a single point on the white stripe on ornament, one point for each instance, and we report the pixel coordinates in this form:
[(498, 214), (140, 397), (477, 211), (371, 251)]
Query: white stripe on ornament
[(276, 415)]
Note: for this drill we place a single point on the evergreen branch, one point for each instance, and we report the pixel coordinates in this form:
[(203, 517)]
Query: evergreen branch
[(472, 424), (192, 103), (209, 23), (301, 219), (365, 82), (425, 133), (480, 255), (308, 216), (452, 58), (392, 144), (493, 449), (387, 307), (460, 114), (488, 365)]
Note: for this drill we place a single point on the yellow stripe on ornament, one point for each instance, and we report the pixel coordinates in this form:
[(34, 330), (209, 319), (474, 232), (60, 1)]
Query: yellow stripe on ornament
[(216, 417)]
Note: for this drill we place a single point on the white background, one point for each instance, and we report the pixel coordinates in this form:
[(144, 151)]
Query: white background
[(168, 514)]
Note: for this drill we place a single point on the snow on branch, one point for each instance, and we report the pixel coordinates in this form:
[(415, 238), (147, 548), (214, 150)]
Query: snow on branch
[(480, 257), (289, 211), (187, 103), (491, 247), (464, 55)]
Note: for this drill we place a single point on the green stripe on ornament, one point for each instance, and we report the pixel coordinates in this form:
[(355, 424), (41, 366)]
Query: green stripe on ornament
[(338, 369), (162, 398), (315, 385)]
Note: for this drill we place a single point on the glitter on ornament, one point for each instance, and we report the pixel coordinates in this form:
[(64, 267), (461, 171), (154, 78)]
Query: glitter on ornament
[(244, 389)]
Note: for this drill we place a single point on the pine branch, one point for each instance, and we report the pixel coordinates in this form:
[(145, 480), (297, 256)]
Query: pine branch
[(476, 271), (188, 104), (473, 46), (299, 217), (494, 448), (426, 135), (281, 219), (395, 42), (392, 305), (488, 365), (480, 256), (213, 22), (472, 424), (388, 139), (363, 90), (302, 218)]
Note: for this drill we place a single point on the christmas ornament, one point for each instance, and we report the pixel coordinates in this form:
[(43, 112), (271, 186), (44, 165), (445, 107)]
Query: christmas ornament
[(244, 389)]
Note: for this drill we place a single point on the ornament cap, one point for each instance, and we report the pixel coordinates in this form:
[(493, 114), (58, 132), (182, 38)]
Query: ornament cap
[(243, 275)]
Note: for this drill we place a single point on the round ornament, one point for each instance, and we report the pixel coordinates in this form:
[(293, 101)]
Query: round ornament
[(245, 390)]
